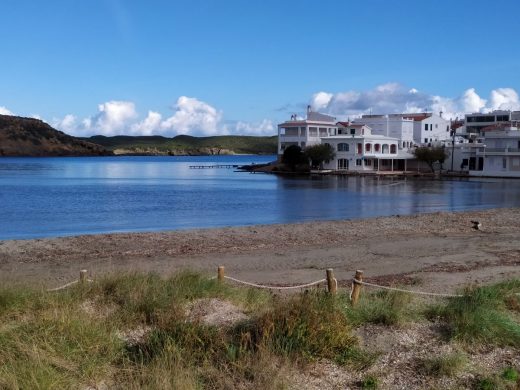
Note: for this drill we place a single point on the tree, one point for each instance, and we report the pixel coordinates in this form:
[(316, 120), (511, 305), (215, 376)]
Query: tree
[(293, 156), (431, 155), (319, 153)]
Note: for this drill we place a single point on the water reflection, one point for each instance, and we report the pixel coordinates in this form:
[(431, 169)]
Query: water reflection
[(62, 196)]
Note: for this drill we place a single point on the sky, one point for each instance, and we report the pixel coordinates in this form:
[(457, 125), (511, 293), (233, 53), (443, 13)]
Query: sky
[(207, 67)]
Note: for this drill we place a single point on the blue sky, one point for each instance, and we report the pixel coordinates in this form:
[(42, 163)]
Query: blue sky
[(214, 67)]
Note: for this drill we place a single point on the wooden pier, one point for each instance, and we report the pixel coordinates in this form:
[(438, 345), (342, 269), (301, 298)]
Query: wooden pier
[(227, 166)]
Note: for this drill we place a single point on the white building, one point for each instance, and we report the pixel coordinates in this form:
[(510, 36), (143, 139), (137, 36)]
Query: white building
[(496, 153), (357, 149), (474, 123), (305, 132), (391, 126), (428, 128)]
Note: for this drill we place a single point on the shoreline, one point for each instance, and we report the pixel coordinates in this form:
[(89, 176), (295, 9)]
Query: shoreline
[(434, 252)]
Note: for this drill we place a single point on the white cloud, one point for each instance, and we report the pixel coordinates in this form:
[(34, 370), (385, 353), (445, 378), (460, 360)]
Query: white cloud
[(149, 125), (68, 124), (114, 117), (5, 111), (264, 127), (395, 98), (504, 99), (320, 100), (192, 115)]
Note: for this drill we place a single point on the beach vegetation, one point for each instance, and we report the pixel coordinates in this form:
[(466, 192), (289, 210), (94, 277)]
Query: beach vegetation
[(143, 331), (482, 315), (448, 364), (382, 307)]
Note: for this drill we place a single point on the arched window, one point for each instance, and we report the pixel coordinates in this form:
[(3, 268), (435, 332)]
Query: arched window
[(393, 149), (368, 147), (342, 147), (377, 148), (385, 149), (404, 144)]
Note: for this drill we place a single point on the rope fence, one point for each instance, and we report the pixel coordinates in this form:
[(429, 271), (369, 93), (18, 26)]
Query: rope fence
[(275, 287), (330, 280), (354, 281), (82, 279)]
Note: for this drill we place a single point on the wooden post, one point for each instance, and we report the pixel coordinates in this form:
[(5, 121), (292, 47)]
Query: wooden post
[(331, 282), (356, 287), (220, 273), (83, 276)]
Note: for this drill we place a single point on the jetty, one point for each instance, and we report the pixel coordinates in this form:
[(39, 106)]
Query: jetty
[(227, 166)]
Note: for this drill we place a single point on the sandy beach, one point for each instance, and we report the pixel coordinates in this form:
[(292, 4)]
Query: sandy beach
[(435, 252)]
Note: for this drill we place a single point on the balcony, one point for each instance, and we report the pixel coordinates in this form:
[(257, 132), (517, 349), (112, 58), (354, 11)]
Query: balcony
[(499, 151)]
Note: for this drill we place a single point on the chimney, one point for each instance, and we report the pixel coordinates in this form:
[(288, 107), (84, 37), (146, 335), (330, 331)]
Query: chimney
[(308, 108)]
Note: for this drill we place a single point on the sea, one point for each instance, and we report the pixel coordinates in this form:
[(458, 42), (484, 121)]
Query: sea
[(65, 196)]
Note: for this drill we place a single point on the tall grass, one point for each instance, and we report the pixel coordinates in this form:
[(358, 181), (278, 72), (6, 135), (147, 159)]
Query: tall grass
[(69, 338), (483, 315)]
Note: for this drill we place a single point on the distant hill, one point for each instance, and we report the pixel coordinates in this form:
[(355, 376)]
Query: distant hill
[(187, 145), (33, 137)]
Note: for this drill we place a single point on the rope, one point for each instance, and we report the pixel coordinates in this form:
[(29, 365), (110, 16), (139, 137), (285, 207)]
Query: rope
[(276, 287), (67, 285), (402, 290)]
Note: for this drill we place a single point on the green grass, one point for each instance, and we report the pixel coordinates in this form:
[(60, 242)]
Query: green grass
[(383, 307), (483, 315), (238, 144), (69, 338), (444, 365)]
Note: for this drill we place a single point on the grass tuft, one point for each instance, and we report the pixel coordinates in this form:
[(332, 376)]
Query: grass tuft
[(382, 307), (445, 365), (481, 315)]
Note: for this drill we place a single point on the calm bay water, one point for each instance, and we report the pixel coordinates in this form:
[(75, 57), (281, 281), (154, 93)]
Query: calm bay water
[(45, 197)]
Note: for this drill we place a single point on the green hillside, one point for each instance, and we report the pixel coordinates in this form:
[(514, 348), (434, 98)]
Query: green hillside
[(185, 144)]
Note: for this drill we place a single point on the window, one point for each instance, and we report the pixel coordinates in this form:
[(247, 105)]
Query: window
[(502, 118), (368, 147), (404, 144), (358, 162), (504, 163), (377, 147), (352, 131), (342, 163), (385, 149), (368, 163), (426, 126), (393, 149), (343, 147), (436, 126), (313, 131), (431, 127), (426, 140), (359, 148)]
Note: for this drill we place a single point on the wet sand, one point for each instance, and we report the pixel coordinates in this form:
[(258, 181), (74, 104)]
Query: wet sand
[(436, 252)]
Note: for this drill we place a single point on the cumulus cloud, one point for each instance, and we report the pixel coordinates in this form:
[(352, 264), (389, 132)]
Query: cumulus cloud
[(504, 99), (114, 117), (149, 125), (5, 111), (264, 127), (191, 115), (395, 98)]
